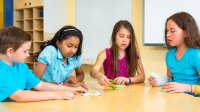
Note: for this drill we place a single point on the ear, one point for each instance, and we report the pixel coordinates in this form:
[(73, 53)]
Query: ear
[(185, 34), (10, 51), (58, 44)]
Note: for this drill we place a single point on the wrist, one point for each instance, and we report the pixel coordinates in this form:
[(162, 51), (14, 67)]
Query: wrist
[(129, 81), (188, 88)]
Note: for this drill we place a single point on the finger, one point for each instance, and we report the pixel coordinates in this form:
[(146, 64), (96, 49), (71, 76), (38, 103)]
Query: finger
[(106, 82), (149, 78), (124, 81), (100, 83), (119, 81), (84, 86)]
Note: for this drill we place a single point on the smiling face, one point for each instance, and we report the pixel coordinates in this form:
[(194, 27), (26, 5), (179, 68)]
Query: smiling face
[(123, 38), (69, 46), (175, 35)]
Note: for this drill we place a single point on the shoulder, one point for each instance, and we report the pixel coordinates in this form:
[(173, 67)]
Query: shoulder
[(194, 52), (102, 54), (49, 48), (171, 52)]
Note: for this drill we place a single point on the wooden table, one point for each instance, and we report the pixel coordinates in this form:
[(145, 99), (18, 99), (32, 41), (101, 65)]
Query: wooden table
[(133, 98)]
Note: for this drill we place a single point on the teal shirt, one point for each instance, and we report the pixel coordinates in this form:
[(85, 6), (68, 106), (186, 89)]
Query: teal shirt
[(57, 71), (14, 78), (186, 69)]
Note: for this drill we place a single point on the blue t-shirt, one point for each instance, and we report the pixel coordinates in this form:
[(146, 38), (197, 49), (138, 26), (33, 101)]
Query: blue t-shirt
[(16, 77), (57, 71), (186, 69)]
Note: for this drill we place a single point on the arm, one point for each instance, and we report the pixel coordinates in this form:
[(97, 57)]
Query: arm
[(169, 74), (79, 74), (95, 72), (45, 86), (40, 69), (97, 66), (27, 96), (174, 87)]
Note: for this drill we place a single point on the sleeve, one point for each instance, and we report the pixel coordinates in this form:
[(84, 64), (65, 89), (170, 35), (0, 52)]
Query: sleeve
[(31, 79), (7, 87), (196, 59), (166, 59), (47, 54), (79, 62)]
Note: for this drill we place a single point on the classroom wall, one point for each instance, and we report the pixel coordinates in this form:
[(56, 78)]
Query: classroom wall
[(153, 57), (1, 14)]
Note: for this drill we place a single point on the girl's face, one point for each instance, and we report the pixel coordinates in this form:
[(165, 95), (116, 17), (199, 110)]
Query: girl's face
[(175, 35), (20, 55), (123, 38), (69, 46)]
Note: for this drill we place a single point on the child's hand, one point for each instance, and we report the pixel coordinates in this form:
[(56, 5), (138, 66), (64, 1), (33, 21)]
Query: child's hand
[(80, 84), (77, 90), (152, 82), (72, 79), (121, 80), (103, 81), (68, 95), (174, 87)]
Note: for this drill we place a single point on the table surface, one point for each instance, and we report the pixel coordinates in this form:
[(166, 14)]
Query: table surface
[(133, 98)]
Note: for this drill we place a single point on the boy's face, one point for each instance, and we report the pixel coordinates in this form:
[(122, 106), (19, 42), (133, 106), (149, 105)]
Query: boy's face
[(20, 55)]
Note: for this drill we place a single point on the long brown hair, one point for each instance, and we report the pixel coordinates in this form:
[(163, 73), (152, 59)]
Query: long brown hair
[(131, 50), (188, 24)]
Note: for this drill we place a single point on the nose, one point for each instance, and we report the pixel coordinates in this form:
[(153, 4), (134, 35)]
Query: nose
[(125, 39), (27, 54), (73, 50)]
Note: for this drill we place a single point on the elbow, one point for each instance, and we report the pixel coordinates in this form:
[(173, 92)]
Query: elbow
[(92, 73), (19, 98)]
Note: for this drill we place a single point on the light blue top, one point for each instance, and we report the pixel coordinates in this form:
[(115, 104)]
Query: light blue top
[(16, 77), (186, 69), (57, 71)]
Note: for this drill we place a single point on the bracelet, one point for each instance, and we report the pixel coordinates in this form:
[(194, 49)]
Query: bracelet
[(195, 90), (129, 81)]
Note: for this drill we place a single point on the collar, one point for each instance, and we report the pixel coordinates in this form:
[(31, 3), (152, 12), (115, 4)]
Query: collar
[(59, 55)]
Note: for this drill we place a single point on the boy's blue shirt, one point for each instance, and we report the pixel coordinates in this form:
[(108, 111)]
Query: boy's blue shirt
[(57, 71), (14, 78), (186, 69)]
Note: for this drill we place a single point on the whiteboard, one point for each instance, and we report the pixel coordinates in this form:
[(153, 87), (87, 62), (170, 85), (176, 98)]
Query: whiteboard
[(55, 15), (157, 11), (96, 19)]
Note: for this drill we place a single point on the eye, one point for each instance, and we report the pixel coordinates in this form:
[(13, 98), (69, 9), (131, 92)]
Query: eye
[(76, 47), (69, 46), (121, 35)]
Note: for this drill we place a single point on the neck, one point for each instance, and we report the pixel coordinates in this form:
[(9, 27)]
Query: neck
[(6, 60), (182, 48), (65, 60), (121, 52)]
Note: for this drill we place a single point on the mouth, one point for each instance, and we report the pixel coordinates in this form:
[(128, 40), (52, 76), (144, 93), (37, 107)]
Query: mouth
[(124, 44), (169, 41)]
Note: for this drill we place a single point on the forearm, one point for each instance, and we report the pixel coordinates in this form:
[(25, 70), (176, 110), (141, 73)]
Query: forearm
[(80, 77), (45, 86), (95, 74), (27, 96), (137, 79)]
